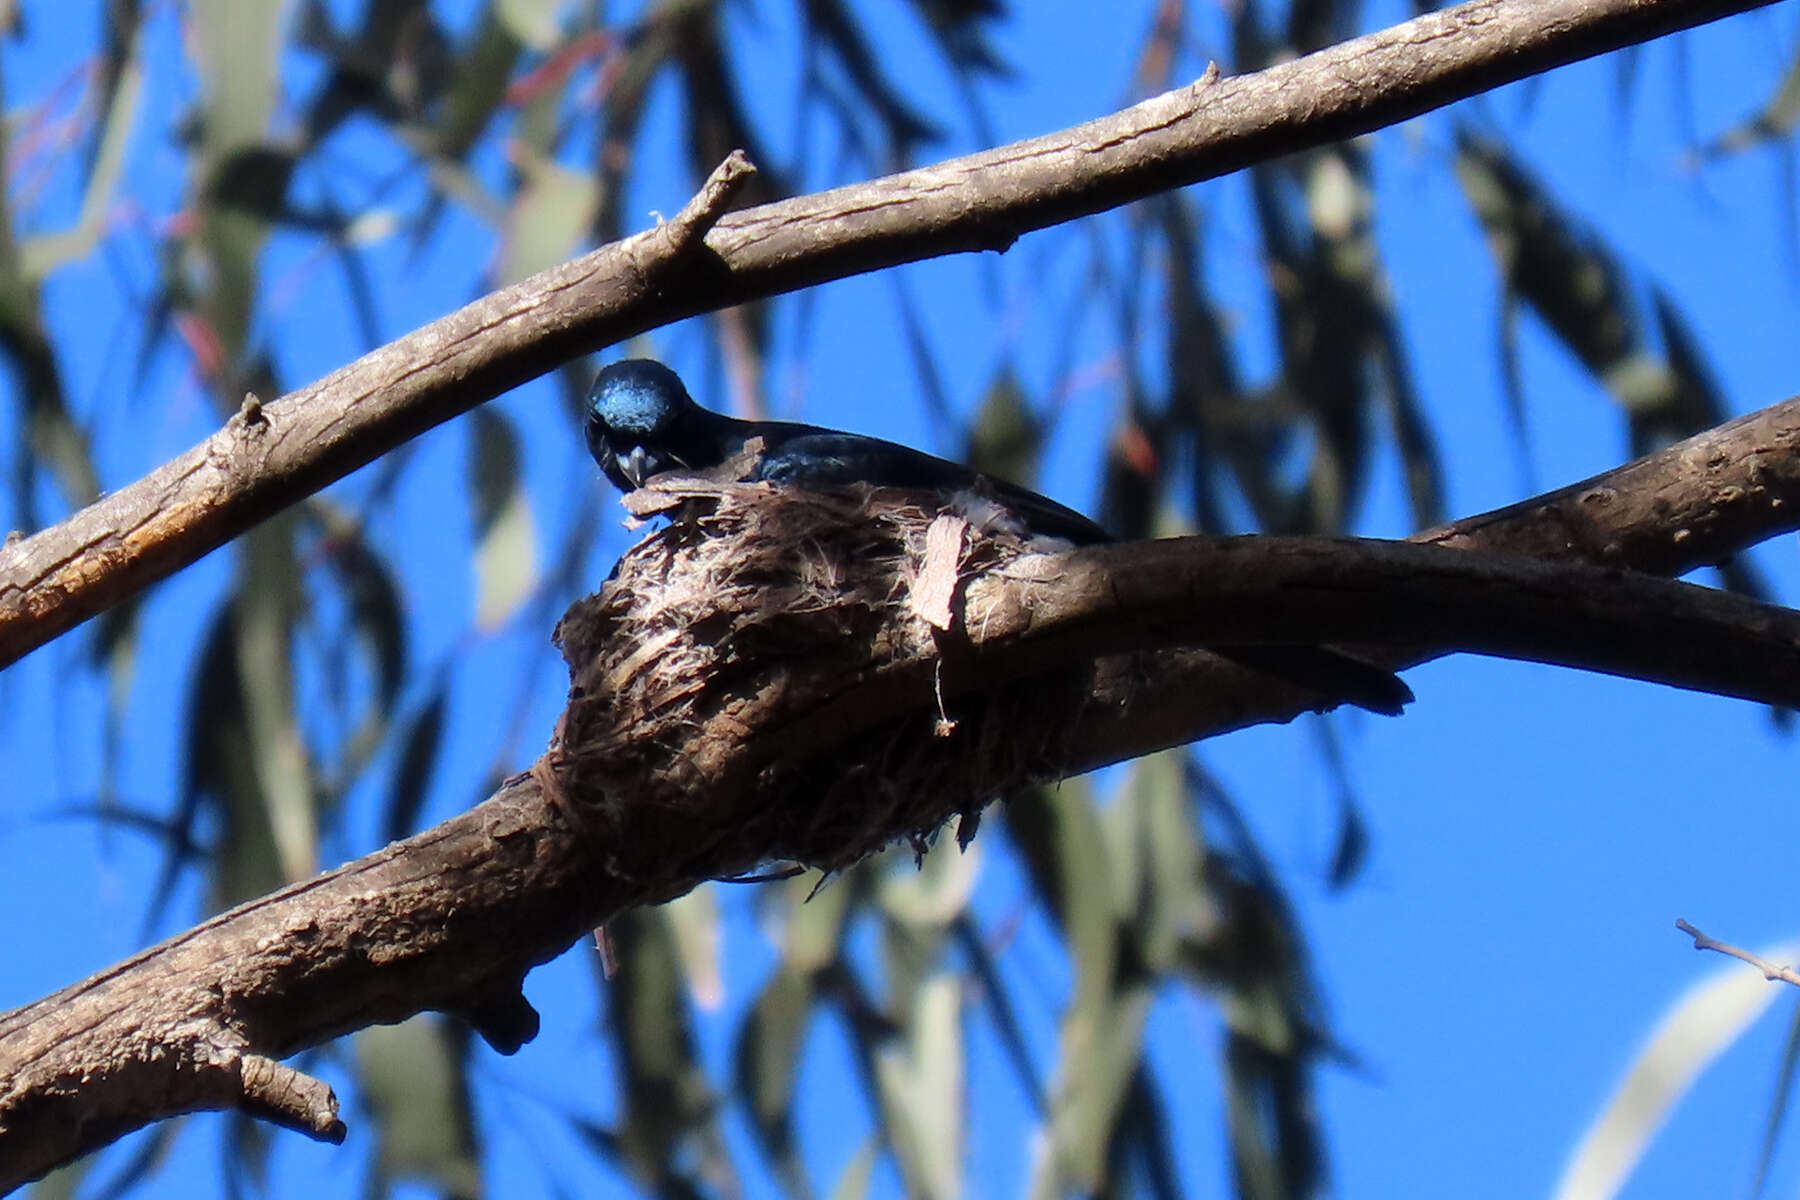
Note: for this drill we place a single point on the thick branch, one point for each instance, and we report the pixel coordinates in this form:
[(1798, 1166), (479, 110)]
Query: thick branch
[(1399, 600), (274, 454), (1693, 504), (450, 919), (1689, 505), (270, 455), (453, 918)]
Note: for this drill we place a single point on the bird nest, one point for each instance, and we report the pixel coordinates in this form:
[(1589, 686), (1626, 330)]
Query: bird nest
[(764, 680)]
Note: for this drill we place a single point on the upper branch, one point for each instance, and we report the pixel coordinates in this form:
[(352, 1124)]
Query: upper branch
[(274, 454)]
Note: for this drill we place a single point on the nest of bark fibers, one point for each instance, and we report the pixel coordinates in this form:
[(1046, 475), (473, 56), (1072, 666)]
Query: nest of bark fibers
[(768, 679)]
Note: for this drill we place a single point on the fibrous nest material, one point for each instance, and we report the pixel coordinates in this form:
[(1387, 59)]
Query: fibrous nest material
[(764, 680)]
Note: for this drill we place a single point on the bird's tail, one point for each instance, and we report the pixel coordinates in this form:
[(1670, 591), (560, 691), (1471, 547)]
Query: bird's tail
[(1332, 674)]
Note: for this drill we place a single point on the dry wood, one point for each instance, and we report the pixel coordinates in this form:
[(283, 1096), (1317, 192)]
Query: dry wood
[(638, 805), (611, 817), (276, 453)]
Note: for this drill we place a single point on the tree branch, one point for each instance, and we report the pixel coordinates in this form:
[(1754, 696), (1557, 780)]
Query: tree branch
[(1770, 971), (1398, 601), (453, 918), (1689, 505), (450, 919), (272, 455), (1693, 504)]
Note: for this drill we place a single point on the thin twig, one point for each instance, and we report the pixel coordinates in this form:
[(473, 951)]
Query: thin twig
[(1770, 971)]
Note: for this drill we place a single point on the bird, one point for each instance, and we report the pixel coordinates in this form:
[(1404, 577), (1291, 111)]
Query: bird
[(640, 422)]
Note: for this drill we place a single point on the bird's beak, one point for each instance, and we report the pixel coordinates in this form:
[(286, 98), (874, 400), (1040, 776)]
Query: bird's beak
[(636, 466)]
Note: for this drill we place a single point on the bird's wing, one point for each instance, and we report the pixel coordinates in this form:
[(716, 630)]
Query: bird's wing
[(809, 456), (814, 457)]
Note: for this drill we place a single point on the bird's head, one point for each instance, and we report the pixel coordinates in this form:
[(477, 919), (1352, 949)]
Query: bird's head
[(638, 418)]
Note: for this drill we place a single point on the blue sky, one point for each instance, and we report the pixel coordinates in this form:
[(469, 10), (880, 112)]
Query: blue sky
[(1536, 832)]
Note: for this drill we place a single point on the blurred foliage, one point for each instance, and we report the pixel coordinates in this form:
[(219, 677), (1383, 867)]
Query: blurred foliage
[(305, 690)]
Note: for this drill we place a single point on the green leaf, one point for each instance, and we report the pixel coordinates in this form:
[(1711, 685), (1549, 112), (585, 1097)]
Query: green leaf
[(236, 46), (218, 778), (1204, 391), (1097, 866), (553, 208), (921, 1088), (997, 998), (51, 434), (667, 1134), (640, 61), (935, 894), (1097, 1055), (533, 22), (1775, 121), (112, 648), (853, 1183), (122, 90), (1558, 269), (694, 924), (1006, 437), (239, 182), (1779, 1104), (772, 1035), (814, 926), (1333, 324), (478, 86), (505, 538), (956, 25), (1695, 401), (418, 757), (65, 1182), (266, 608), (377, 617), (718, 121), (769, 1045), (839, 31), (246, 763), (1269, 1119), (1141, 1136), (1173, 903), (414, 1080)]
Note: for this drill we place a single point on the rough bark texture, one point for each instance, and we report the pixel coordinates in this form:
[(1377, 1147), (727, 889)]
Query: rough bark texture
[(450, 919), (1691, 505), (1695, 504), (659, 779), (736, 700), (274, 454)]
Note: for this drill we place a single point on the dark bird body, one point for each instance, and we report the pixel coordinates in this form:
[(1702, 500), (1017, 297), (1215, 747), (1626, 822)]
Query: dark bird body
[(641, 422)]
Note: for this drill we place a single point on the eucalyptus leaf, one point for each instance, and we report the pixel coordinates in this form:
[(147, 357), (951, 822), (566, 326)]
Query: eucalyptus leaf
[(414, 1081), (505, 532)]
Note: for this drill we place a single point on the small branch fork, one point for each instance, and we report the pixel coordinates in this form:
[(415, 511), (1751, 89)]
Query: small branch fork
[(272, 454), (1770, 971), (289, 1098)]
